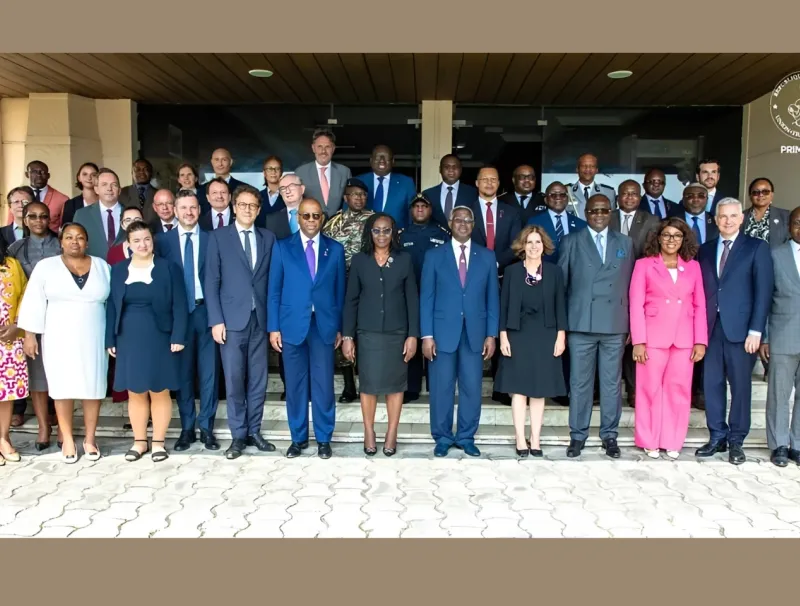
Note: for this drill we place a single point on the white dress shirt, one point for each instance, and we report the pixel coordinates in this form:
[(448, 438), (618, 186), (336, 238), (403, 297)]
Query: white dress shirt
[(116, 211), (273, 196), (386, 180), (482, 203), (18, 232), (564, 219), (226, 217), (198, 287), (603, 240), (164, 224), (305, 240), (443, 195), (42, 192), (711, 194), (457, 250), (252, 235)]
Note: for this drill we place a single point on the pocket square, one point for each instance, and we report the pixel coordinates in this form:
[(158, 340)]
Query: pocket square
[(620, 253)]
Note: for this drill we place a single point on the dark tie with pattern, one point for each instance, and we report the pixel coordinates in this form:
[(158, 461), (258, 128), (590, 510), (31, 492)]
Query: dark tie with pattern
[(559, 229), (248, 251), (110, 228), (220, 222), (188, 272), (724, 259), (657, 208), (448, 202), (489, 226), (169, 226), (462, 266), (142, 199)]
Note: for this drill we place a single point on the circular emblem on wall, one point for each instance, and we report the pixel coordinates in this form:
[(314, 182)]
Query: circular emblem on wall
[(784, 105)]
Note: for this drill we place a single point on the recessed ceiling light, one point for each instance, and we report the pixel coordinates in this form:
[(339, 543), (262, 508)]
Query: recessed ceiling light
[(260, 73), (619, 74)]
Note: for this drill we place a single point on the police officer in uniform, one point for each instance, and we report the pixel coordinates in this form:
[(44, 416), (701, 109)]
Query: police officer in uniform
[(346, 227), (586, 187), (421, 235)]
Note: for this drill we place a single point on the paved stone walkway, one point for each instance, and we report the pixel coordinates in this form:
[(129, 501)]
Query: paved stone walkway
[(200, 494)]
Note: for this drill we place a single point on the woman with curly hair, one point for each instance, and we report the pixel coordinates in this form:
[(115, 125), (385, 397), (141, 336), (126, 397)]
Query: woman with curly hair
[(669, 334)]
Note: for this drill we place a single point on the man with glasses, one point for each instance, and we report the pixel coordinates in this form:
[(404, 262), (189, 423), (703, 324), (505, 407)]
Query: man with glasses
[(164, 207), (389, 192), (597, 265), (523, 196), (586, 187), (18, 198), (220, 213), (325, 180), (556, 220), (653, 200), (285, 222), (306, 298), (237, 266)]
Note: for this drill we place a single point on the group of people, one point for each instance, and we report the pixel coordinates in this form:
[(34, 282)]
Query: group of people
[(561, 293)]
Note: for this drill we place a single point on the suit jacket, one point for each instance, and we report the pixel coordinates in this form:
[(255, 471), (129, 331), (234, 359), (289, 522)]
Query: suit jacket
[(169, 245), (744, 292), (543, 219), (641, 226), (712, 231), (507, 225), (783, 331), (202, 195), (778, 225), (644, 205), (91, 218), (71, 206), (535, 204), (266, 208), (597, 293), (466, 195), (8, 235), (129, 198), (446, 307), (552, 285), (55, 202), (208, 220), (231, 284), (169, 307), (278, 224), (339, 174), (401, 191), (381, 300), (292, 292), (666, 313)]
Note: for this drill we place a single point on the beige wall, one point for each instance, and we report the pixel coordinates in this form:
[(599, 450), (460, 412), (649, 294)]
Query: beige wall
[(762, 157), (437, 139)]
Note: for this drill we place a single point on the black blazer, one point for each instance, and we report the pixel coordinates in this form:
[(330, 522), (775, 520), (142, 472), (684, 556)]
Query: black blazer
[(202, 194), (278, 224), (71, 206), (507, 225), (535, 204), (206, 220), (7, 233), (555, 308), (381, 299), (778, 225), (266, 209), (466, 195), (170, 307), (644, 205)]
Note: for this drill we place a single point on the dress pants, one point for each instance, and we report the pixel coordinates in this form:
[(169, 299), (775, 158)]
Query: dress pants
[(782, 376), (663, 398), (244, 358), (629, 371), (589, 352), (466, 367), (313, 359), (198, 358), (727, 360)]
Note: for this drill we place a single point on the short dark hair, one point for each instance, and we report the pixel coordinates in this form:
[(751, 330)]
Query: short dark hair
[(445, 157), (137, 226), (756, 180), (707, 161), (37, 162), (688, 247), (130, 208), (244, 188), (107, 171), (144, 161), (322, 132), (367, 245), (272, 158), (27, 207), (65, 226), (218, 180), (78, 183)]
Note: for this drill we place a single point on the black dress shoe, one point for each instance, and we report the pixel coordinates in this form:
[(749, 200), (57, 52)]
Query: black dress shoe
[(40, 446), (283, 395), (209, 440), (236, 449), (186, 439), (611, 448), (324, 450), (736, 454), (562, 400), (780, 456), (347, 398), (295, 449), (260, 443), (501, 398), (575, 447), (410, 397), (711, 448), (536, 452), (522, 453), (794, 455)]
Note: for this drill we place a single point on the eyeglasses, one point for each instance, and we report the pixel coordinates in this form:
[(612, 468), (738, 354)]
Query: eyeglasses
[(38, 217), (286, 188), (247, 206), (273, 169), (386, 231), (670, 237), (761, 192), (599, 211), (461, 221), (309, 216), (557, 196), (163, 204)]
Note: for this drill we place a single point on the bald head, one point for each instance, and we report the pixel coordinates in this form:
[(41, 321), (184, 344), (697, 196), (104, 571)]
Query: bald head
[(221, 162), (164, 205)]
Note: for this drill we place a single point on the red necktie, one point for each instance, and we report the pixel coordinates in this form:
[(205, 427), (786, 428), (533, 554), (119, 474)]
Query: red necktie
[(489, 226), (219, 221), (169, 226), (110, 226)]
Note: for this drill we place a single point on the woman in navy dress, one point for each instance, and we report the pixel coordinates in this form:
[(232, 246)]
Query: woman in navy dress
[(147, 316)]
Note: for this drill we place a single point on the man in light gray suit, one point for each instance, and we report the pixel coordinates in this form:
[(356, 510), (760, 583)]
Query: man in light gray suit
[(324, 180), (782, 349), (103, 220), (597, 265)]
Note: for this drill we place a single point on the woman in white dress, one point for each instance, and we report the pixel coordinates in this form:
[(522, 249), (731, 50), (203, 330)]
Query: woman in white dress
[(65, 303)]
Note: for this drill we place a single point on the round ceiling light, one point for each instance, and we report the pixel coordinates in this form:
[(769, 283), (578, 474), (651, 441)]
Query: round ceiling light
[(260, 73), (620, 74)]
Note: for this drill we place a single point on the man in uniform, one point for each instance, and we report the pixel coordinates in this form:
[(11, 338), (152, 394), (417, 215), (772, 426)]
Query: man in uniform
[(347, 228), (416, 239), (586, 187)]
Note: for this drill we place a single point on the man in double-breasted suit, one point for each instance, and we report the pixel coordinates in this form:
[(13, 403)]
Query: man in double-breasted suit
[(324, 180), (389, 192), (450, 192), (235, 289), (556, 221), (597, 265), (102, 220)]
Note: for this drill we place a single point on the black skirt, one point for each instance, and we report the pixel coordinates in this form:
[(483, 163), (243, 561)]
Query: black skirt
[(381, 369)]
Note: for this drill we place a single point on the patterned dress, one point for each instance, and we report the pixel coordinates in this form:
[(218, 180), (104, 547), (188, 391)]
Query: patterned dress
[(13, 363)]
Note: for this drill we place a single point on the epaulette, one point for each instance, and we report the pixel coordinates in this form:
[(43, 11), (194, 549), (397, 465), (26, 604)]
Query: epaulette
[(443, 228)]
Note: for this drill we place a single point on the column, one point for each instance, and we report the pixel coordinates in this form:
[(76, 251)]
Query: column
[(437, 139)]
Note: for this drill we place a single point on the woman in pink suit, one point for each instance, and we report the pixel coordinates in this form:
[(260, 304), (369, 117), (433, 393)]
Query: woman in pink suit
[(669, 334)]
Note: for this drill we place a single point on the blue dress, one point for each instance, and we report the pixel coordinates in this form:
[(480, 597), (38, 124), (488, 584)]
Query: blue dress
[(144, 360)]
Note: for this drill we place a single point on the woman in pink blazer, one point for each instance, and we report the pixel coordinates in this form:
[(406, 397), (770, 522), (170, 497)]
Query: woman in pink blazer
[(669, 334)]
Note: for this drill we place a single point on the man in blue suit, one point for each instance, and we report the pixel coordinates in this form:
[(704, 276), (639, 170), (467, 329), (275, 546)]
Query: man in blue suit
[(737, 279), (450, 192), (388, 193), (555, 220), (306, 297), (235, 289), (221, 164), (186, 246), (459, 311)]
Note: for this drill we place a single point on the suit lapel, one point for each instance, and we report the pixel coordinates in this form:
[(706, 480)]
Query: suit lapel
[(590, 248), (479, 219), (99, 227), (236, 241), (322, 259), (296, 248), (201, 270), (471, 269), (733, 255)]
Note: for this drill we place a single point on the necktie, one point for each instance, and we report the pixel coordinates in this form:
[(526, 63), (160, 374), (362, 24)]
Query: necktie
[(293, 225), (522, 202), (141, 194), (188, 272), (248, 251), (586, 193), (38, 194), (310, 260), (378, 202), (112, 233), (724, 259), (599, 240), (220, 222), (169, 226), (559, 229), (323, 182), (462, 266), (626, 226), (448, 202), (489, 226), (657, 208), (696, 230)]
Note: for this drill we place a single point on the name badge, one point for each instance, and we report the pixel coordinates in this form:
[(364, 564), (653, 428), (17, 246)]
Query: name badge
[(408, 244), (435, 241)]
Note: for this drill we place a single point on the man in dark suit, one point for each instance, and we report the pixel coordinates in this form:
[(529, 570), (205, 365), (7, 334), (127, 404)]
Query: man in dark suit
[(306, 298), (186, 246), (164, 208), (235, 289), (459, 313), (285, 222), (497, 224), (18, 198), (653, 201), (708, 173), (556, 221), (737, 279), (523, 196), (389, 192), (220, 210), (221, 164), (103, 219), (450, 192), (271, 200), (141, 194)]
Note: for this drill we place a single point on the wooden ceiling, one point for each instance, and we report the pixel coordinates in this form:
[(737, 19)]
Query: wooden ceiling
[(495, 78)]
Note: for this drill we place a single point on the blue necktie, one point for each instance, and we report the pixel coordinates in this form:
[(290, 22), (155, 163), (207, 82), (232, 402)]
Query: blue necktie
[(696, 230), (657, 207), (188, 271), (293, 221), (377, 204)]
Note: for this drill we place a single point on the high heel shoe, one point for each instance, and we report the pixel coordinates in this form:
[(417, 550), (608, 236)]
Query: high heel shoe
[(159, 455), (522, 452), (370, 451), (536, 452), (390, 452), (40, 446), (133, 454), (92, 456)]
